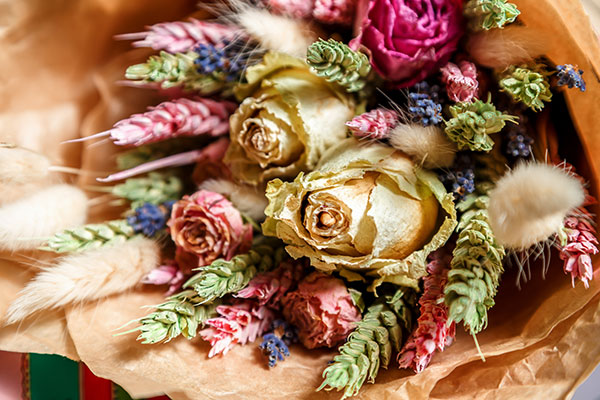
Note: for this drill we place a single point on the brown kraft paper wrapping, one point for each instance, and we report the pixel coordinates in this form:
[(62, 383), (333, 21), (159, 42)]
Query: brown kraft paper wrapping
[(57, 71)]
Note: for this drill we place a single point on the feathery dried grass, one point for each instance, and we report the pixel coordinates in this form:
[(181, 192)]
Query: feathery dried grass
[(427, 145)]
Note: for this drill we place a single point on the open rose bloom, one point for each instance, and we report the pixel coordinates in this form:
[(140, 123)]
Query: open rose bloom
[(365, 211), (286, 121), (408, 40)]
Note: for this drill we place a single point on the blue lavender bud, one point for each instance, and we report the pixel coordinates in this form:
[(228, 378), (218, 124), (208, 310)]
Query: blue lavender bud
[(149, 219), (225, 60), (424, 109), (570, 76), (460, 179), (275, 344), (434, 92), (519, 142)]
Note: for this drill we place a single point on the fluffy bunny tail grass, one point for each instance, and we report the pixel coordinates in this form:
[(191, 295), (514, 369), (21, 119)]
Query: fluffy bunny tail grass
[(500, 48), (529, 204), (19, 165), (28, 222), (90, 275), (275, 32), (428, 145), (245, 198)]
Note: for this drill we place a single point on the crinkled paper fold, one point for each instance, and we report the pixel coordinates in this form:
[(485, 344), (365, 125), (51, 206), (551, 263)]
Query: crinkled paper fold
[(57, 68)]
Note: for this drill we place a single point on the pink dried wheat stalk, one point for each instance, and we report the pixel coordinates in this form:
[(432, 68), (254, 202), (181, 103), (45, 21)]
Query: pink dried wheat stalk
[(581, 243), (432, 331), (180, 117), (176, 37), (375, 124)]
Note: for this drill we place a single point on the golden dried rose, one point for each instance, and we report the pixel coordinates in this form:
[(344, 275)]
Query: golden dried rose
[(287, 119), (367, 211)]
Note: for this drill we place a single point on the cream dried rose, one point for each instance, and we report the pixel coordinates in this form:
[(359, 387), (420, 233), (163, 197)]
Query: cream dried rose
[(287, 119), (366, 211)]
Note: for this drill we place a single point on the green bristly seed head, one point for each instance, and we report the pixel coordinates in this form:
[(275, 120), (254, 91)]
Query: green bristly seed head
[(488, 14), (529, 86), (156, 188), (172, 70), (370, 346), (90, 236), (476, 266), (181, 315), (225, 277), (336, 62), (472, 123)]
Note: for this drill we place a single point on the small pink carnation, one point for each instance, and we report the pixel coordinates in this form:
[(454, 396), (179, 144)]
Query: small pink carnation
[(335, 11), (461, 81), (268, 288), (238, 324), (581, 243), (322, 310), (293, 8)]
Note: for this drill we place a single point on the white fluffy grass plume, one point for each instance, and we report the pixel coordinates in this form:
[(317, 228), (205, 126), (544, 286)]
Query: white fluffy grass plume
[(29, 221), (22, 171), (529, 204), (90, 275), (426, 145), (245, 198), (275, 32), (500, 48)]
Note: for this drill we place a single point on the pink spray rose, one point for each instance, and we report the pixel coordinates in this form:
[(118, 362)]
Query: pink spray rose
[(206, 226), (269, 287), (322, 310), (409, 40)]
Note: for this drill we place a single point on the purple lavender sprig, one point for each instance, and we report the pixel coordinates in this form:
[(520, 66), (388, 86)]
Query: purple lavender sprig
[(149, 219), (275, 344), (424, 109), (571, 76)]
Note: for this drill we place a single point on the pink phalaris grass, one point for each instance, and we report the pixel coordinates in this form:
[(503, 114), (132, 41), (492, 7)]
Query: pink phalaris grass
[(461, 81), (581, 244), (167, 274), (375, 124), (238, 324), (179, 37), (432, 331), (292, 8), (268, 288), (335, 11), (180, 117)]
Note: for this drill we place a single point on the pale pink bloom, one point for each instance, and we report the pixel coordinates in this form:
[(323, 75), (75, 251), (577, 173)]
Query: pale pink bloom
[(581, 243), (268, 288), (432, 331), (375, 124), (206, 226), (166, 274), (322, 310), (294, 8), (180, 117), (335, 11), (238, 324), (461, 81), (176, 37)]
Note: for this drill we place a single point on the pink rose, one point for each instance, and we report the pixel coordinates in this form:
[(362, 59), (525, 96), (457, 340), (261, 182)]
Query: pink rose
[(409, 40), (206, 226), (322, 310)]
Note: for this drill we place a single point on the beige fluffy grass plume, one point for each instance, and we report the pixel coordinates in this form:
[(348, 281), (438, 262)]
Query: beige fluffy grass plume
[(245, 198), (90, 275), (26, 223), (426, 145), (529, 204), (21, 172), (275, 32), (500, 48)]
